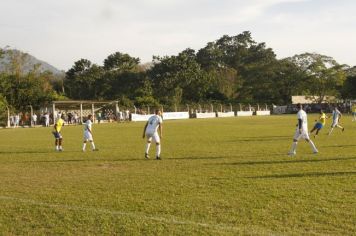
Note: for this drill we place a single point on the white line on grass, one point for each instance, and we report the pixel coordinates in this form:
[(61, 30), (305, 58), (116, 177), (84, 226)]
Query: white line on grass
[(140, 216)]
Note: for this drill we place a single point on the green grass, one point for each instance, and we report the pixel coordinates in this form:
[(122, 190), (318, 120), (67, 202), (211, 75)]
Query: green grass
[(225, 176)]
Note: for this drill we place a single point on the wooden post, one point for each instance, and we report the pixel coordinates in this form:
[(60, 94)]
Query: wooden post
[(81, 113), (8, 117), (54, 112), (93, 112), (31, 114)]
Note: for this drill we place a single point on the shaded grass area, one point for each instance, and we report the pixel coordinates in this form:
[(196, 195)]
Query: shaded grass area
[(223, 176)]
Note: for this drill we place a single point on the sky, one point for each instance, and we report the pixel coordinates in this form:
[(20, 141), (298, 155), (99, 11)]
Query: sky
[(61, 32)]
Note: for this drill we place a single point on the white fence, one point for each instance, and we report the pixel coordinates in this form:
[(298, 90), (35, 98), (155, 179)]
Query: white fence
[(263, 113), (205, 115), (244, 113), (166, 116), (226, 114)]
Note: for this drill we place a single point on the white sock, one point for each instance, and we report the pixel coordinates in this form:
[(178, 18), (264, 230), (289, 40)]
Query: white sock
[(60, 147), (331, 130), (147, 148), (57, 147), (84, 145), (158, 150), (92, 145), (294, 147), (313, 146)]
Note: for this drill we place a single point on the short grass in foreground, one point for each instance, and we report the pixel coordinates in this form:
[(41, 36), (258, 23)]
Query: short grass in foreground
[(223, 176)]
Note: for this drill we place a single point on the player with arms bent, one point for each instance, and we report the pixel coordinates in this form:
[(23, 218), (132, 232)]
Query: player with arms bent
[(320, 124), (301, 132), (150, 132)]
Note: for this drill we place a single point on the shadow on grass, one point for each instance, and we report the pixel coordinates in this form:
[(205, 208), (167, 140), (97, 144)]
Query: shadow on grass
[(260, 139), (301, 175), (25, 152), (285, 162), (340, 146), (82, 160)]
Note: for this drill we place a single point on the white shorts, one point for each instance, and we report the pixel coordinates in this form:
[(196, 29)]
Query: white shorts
[(303, 135), (88, 136), (335, 123), (153, 136)]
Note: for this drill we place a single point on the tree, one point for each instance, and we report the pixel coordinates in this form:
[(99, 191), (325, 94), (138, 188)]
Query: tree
[(120, 62), (348, 90), (179, 78), (325, 76)]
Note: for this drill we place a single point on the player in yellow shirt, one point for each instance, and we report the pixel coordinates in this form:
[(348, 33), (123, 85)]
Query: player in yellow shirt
[(319, 124), (57, 133)]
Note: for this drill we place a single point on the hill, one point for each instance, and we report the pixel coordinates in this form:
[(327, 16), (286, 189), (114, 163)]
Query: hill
[(28, 62)]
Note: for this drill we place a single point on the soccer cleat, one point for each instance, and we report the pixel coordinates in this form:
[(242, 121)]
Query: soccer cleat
[(292, 153), (95, 150), (158, 158), (147, 156), (315, 152), (343, 129)]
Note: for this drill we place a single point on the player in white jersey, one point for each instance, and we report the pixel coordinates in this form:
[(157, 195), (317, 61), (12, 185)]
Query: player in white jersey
[(88, 135), (150, 132), (336, 119), (301, 132)]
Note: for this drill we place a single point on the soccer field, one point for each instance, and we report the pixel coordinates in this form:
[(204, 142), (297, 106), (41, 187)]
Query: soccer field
[(223, 176)]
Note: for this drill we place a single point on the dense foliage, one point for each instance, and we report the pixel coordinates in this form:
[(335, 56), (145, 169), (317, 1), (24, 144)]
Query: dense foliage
[(232, 69)]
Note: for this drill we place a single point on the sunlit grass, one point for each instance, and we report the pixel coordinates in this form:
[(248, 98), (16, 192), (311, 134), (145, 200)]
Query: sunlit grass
[(218, 176)]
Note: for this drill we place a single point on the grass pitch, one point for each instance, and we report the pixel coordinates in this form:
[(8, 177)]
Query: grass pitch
[(223, 176)]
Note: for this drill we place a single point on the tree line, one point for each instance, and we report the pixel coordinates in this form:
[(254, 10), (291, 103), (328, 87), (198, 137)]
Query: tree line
[(232, 69)]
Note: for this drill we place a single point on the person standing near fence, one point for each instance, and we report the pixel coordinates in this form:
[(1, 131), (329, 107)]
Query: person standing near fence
[(17, 120), (46, 119), (150, 132), (34, 119), (353, 112)]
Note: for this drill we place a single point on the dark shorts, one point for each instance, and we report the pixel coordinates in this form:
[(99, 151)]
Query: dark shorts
[(57, 135), (318, 125)]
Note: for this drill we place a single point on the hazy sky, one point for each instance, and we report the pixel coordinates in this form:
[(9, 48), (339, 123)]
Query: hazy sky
[(63, 31)]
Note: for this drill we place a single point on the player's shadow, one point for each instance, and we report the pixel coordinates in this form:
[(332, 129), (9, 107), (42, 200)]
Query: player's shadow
[(82, 160), (260, 139), (339, 146), (221, 157), (284, 162), (302, 175), (195, 158), (25, 152)]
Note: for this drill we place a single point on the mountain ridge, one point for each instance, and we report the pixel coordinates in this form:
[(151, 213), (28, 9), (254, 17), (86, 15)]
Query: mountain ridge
[(28, 62)]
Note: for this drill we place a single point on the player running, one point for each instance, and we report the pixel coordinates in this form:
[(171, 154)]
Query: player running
[(319, 124), (301, 132), (57, 133), (336, 119), (150, 132), (88, 135)]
